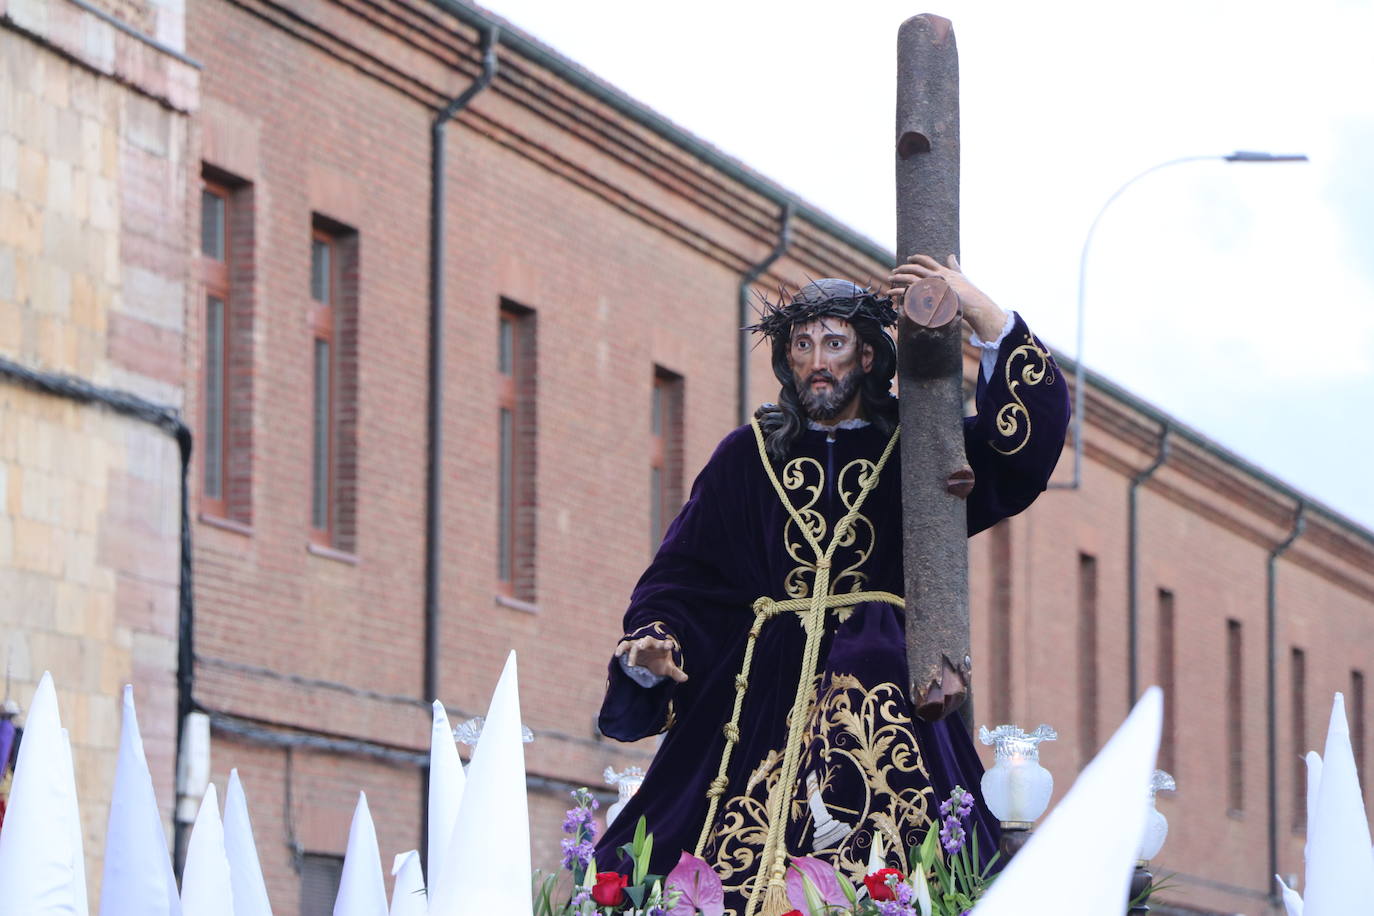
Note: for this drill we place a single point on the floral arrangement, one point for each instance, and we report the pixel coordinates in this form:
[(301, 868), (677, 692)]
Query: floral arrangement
[(943, 876)]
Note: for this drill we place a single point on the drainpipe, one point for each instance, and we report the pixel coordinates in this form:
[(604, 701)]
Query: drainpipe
[(745, 283), (1271, 637), (435, 421), (167, 419), (1133, 575), (434, 473)]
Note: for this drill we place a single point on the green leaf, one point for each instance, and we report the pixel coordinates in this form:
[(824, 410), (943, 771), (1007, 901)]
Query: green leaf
[(646, 849), (640, 829), (850, 893), (636, 894), (814, 904), (930, 848)]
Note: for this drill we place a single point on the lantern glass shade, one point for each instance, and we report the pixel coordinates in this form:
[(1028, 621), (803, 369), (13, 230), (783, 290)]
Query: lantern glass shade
[(1156, 824), (1156, 830), (1017, 789)]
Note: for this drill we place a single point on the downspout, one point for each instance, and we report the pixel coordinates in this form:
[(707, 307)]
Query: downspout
[(167, 419), (1271, 637), (745, 283), (434, 473), (435, 421), (1133, 567)]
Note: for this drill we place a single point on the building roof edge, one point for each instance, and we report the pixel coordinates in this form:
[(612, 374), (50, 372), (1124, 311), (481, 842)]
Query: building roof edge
[(1215, 449), (564, 67), (536, 51)]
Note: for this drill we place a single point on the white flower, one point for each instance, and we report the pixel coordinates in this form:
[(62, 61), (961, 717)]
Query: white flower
[(922, 892)]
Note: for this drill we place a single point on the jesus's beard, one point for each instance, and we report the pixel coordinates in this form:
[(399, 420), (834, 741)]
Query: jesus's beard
[(825, 405)]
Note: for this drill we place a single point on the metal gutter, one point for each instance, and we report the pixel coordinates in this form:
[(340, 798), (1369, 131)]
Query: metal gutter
[(544, 56), (435, 417), (745, 284), (132, 32), (434, 463), (1271, 638), (1133, 566)]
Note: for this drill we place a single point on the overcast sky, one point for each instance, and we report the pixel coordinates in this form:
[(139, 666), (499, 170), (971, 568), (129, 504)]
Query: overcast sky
[(1237, 297)]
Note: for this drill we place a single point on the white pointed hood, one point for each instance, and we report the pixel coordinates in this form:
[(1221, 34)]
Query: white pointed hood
[(245, 871), (408, 894), (42, 870), (137, 880), (446, 783), (490, 849), (362, 892), (1113, 789), (1340, 866), (206, 888)]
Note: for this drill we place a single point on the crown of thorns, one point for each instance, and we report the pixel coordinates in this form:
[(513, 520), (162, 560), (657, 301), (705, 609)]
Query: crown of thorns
[(822, 299)]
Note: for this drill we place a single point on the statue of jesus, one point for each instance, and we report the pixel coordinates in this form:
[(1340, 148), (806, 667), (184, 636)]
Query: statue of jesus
[(775, 747)]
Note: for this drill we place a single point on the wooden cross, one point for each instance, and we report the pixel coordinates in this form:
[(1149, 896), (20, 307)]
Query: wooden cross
[(935, 472)]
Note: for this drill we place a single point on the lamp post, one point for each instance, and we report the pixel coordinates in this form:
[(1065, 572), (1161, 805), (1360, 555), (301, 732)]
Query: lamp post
[(1078, 382)]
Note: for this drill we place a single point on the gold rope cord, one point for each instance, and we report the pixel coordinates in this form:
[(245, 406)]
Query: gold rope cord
[(774, 848)]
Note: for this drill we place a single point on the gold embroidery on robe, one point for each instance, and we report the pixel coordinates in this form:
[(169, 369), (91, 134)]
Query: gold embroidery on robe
[(861, 733), (806, 477), (1035, 369)]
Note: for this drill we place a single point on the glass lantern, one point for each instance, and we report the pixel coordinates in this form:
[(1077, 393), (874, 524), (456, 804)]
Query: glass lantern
[(470, 732), (1017, 789), (627, 783), (1156, 824)]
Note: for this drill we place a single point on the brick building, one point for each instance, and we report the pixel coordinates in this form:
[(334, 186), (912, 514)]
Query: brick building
[(593, 257)]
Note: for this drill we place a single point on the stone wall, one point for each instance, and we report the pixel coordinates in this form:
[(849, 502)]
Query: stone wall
[(93, 266)]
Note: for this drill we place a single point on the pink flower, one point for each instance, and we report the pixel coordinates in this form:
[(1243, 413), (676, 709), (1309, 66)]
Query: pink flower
[(698, 887), (822, 877)]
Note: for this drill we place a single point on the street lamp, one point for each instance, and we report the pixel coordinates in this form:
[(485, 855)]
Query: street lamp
[(1078, 382)]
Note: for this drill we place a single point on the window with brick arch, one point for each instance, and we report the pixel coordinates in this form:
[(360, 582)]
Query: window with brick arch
[(665, 453), (333, 361), (1235, 720), (1297, 696), (1087, 656), (1355, 713), (226, 416), (1166, 673), (516, 426)]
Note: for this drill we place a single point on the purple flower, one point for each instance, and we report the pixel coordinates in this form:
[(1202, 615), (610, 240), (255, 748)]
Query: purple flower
[(576, 853), (579, 824), (959, 803), (952, 835), (903, 905)]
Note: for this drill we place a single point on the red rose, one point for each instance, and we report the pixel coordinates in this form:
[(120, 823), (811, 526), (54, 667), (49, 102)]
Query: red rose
[(609, 889), (878, 888), (793, 913)]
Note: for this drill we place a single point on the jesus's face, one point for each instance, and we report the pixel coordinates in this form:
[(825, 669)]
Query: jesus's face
[(828, 364)]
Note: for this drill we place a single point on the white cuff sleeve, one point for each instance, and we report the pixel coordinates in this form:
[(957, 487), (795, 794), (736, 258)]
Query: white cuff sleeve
[(640, 675), (990, 348)]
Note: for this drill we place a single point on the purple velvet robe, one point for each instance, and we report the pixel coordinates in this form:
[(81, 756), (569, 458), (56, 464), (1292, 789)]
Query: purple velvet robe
[(865, 766)]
